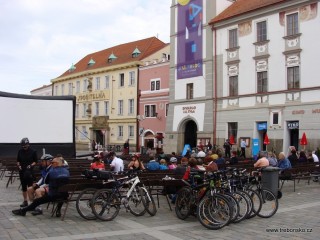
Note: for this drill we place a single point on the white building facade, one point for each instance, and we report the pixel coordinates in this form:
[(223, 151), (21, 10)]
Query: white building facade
[(266, 75)]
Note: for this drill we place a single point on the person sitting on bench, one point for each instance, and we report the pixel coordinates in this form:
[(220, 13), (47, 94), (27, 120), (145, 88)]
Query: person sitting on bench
[(56, 178)]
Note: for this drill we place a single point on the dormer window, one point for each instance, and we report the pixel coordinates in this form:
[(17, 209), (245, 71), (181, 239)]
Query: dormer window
[(72, 68), (136, 53), (111, 58), (91, 62)]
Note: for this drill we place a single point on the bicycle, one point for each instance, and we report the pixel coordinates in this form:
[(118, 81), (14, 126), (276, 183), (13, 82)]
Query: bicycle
[(137, 200), (270, 203), (212, 209)]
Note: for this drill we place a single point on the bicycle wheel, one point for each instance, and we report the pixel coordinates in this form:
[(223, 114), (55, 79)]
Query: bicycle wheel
[(134, 203), (105, 204), (256, 201), (214, 212), (183, 203), (269, 204), (148, 201), (243, 206), (83, 203), (234, 204)]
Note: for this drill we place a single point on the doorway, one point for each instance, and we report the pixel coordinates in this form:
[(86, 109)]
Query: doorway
[(190, 134)]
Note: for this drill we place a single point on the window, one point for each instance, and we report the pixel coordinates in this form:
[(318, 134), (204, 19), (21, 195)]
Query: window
[(190, 91), (167, 109), (85, 85), (233, 130), (132, 78), (121, 80), (233, 86), (275, 118), (97, 108), (131, 131), (77, 110), (56, 90), (106, 108), (97, 83), (77, 86), (62, 89), (120, 107), (293, 77), (233, 38), (262, 82), (131, 106), (155, 85), (150, 110), (106, 82), (120, 131), (292, 24), (84, 133), (261, 31), (84, 108), (70, 87)]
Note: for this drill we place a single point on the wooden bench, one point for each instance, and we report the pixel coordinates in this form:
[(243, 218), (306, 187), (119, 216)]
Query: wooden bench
[(299, 172)]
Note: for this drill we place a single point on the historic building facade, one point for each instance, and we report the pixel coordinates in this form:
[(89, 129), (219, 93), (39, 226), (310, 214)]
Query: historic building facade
[(244, 69), (190, 117), (154, 98), (105, 84), (267, 87)]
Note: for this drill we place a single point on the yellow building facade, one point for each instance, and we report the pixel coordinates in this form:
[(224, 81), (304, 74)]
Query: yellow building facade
[(105, 84)]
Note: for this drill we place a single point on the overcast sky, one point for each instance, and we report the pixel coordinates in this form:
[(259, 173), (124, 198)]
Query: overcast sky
[(40, 39)]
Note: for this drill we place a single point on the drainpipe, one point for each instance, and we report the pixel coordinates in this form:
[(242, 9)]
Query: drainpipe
[(215, 89), (138, 110)]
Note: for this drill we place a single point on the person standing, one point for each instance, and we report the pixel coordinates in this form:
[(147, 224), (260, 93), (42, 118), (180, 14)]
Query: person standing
[(126, 147), (26, 159), (93, 145), (243, 146), (227, 148)]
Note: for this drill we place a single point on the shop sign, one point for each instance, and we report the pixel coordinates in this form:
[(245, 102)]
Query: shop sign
[(189, 109), (293, 125), (262, 126)]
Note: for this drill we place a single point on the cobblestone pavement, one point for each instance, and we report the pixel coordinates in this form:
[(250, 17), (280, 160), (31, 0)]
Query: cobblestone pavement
[(298, 211)]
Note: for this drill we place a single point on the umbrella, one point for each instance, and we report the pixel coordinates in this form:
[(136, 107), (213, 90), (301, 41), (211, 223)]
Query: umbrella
[(266, 140), (304, 140), (231, 140)]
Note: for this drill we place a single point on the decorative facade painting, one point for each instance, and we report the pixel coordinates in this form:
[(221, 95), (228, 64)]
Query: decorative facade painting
[(189, 39)]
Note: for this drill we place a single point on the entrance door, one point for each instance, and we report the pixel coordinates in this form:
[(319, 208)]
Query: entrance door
[(99, 137), (190, 134), (294, 138)]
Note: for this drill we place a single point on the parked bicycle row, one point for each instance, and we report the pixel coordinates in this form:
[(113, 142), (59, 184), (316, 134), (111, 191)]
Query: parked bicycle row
[(224, 197)]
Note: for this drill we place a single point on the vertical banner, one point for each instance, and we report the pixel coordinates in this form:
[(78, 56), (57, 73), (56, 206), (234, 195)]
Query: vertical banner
[(255, 148), (189, 39)]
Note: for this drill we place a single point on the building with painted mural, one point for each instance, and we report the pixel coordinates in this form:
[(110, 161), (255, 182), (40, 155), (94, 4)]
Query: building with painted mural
[(105, 84), (153, 99), (252, 75)]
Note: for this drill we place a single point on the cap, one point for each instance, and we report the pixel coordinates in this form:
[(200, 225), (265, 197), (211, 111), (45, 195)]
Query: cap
[(24, 141), (135, 155), (173, 159), (47, 157), (96, 157)]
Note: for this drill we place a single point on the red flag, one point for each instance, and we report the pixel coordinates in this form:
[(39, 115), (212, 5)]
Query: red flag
[(266, 140), (304, 140), (231, 140)]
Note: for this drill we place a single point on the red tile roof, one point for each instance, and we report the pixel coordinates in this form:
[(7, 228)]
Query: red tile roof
[(123, 52), (243, 6)]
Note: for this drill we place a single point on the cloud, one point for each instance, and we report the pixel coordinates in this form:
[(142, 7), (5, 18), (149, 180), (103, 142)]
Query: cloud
[(40, 39)]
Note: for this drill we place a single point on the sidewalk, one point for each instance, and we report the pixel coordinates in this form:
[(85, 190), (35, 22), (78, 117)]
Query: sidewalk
[(298, 213)]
